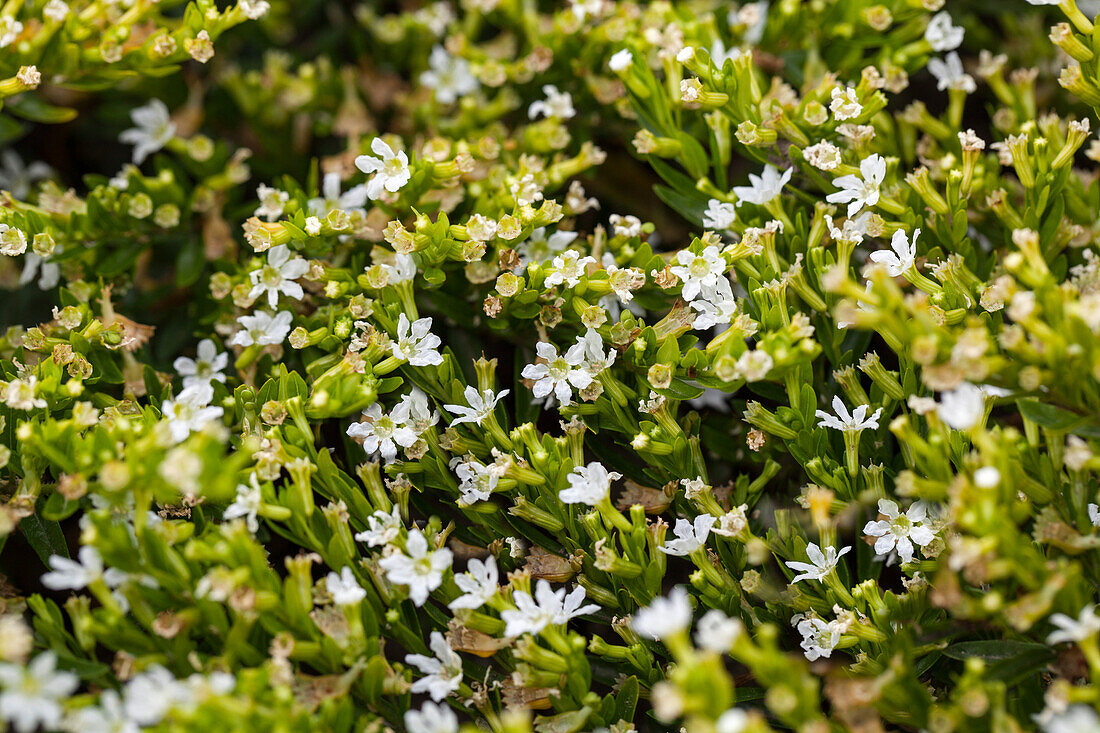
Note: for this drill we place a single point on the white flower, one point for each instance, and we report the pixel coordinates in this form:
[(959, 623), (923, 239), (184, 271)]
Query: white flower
[(272, 203), (764, 188), (950, 74), (941, 34), (383, 528), (449, 76), (589, 484), (477, 481), (987, 477), (415, 342), (698, 271), (540, 248), (568, 268), (108, 717), (190, 411), (1075, 718), (548, 606), (1094, 514), (621, 60), (17, 177), (715, 306), (557, 105), (150, 694), (402, 270), (690, 536), (69, 574), (431, 718), (664, 616), (559, 374), (481, 405), (278, 276), (854, 422), (10, 28), (152, 131), (820, 565), (331, 198), (900, 530), (478, 584), (845, 103), (1073, 630), (49, 273), (345, 589), (31, 694), (443, 672), (733, 720), (19, 394), (903, 255), (862, 190), (206, 367), (717, 632), (420, 569), (262, 328), (390, 169), (247, 504), (819, 638), (55, 10), (963, 407), (382, 433), (719, 215), (595, 358)]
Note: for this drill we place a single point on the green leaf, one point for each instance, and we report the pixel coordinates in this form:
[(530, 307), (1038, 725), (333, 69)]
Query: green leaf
[(45, 537), (1006, 660), (32, 107), (1048, 416)]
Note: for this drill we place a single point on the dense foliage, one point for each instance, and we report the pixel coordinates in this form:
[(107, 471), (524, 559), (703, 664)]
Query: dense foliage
[(598, 366)]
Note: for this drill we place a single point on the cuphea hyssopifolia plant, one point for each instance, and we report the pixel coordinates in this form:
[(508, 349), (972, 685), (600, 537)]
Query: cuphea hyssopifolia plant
[(463, 426)]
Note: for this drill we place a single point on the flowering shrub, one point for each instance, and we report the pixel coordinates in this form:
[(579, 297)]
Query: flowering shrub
[(593, 367)]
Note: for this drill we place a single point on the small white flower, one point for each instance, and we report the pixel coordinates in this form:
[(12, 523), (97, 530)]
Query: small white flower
[(383, 433), (1073, 630), (532, 615), (715, 306), (1094, 514), (845, 103), (332, 199), (417, 567), (589, 484), (559, 374), (443, 672), (690, 536), (733, 720), (262, 328), (478, 584), (415, 342), (69, 574), (402, 270), (941, 34), (31, 695), (481, 405), (621, 60), (699, 271), (19, 394), (903, 254), (107, 717), (477, 481), (763, 188), (595, 358), (10, 28), (55, 10), (568, 268), (718, 632), (390, 169), (557, 105), (820, 565), (987, 477), (205, 368), (345, 589), (963, 407), (862, 190), (383, 528), (152, 130), (190, 411), (1075, 718), (950, 74), (856, 421), (540, 248), (278, 276), (150, 694), (17, 177), (664, 617), (819, 638), (900, 530), (431, 718), (449, 76), (247, 504), (719, 215), (272, 202)]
